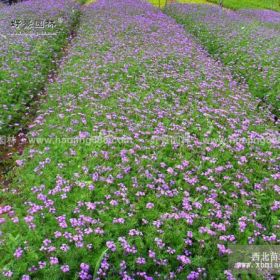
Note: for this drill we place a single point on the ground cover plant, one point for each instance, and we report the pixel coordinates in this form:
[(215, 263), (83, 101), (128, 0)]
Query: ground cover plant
[(249, 4), (247, 46), (27, 58), (146, 160)]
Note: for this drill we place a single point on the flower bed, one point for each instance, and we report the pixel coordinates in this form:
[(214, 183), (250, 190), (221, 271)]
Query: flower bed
[(248, 47), (33, 34), (146, 161)]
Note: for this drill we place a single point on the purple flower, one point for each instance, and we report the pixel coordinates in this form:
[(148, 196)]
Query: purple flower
[(183, 259), (65, 268), (223, 250), (194, 275), (85, 267), (111, 245), (275, 206), (140, 261), (18, 253), (150, 205), (53, 260), (8, 274)]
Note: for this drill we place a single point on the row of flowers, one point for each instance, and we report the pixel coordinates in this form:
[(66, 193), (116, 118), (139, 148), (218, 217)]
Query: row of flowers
[(265, 16), (246, 41)]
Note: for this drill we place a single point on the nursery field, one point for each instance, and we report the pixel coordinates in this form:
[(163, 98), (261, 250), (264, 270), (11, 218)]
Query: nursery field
[(151, 150)]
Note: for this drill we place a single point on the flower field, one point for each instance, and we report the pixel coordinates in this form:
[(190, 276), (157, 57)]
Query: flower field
[(248, 45), (28, 53), (146, 159)]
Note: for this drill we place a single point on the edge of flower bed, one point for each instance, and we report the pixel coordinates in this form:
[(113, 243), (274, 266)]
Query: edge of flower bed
[(18, 139)]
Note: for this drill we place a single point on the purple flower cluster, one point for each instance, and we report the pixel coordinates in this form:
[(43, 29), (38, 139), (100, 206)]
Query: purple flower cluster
[(193, 177), (84, 274), (266, 16)]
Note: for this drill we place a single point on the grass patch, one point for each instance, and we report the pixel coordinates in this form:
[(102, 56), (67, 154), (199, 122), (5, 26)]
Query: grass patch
[(250, 4), (86, 2)]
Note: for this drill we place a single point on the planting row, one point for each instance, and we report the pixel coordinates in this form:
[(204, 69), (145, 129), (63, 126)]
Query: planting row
[(33, 34), (250, 48), (145, 161), (265, 16)]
